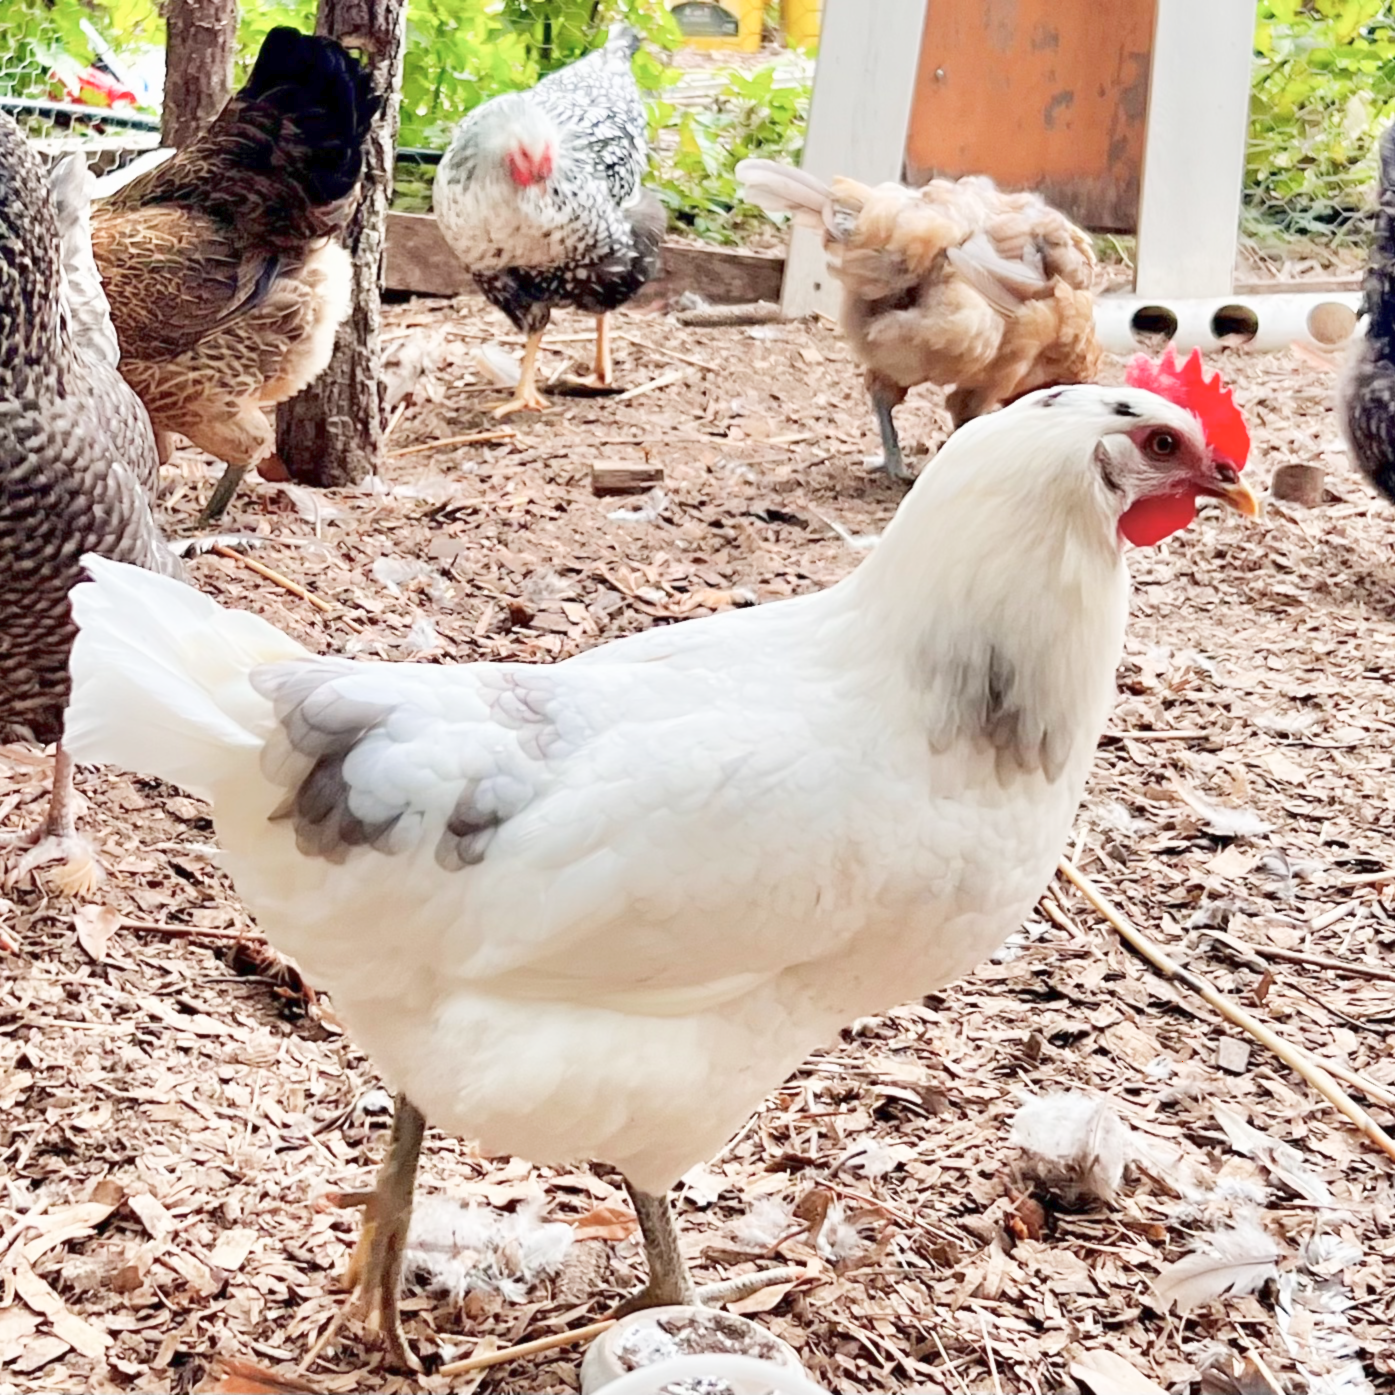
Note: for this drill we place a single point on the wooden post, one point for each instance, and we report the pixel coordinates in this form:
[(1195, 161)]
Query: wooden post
[(1194, 154), (864, 85), (332, 433), (201, 38)]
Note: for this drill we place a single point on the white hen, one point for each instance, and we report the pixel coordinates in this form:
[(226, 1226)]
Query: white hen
[(599, 909)]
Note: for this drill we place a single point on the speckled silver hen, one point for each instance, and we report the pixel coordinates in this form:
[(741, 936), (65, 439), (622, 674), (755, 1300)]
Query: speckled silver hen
[(77, 463), (540, 197)]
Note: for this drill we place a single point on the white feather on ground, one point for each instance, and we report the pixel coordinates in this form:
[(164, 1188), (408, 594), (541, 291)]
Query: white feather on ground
[(455, 1250), (1074, 1145), (1235, 1261)]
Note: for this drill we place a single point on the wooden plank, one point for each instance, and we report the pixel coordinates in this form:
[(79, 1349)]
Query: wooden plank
[(864, 85), (419, 261), (1194, 156), (1049, 95)]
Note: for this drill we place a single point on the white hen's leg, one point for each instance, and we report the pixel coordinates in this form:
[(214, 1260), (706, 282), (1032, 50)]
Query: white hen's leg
[(670, 1283), (375, 1267), (56, 839)]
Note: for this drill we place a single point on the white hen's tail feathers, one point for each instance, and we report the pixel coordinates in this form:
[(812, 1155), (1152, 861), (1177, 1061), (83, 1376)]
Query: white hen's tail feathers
[(784, 189), (160, 678)]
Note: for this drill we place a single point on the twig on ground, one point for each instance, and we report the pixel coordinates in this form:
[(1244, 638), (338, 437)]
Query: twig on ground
[(294, 587), (190, 932), (472, 438), (540, 1344), (762, 312), (668, 353), (1324, 961), (674, 375), (1297, 1058)]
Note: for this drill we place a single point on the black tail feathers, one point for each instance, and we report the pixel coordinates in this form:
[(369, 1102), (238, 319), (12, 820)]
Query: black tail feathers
[(324, 95)]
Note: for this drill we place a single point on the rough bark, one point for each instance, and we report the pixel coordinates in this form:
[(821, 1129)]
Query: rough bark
[(332, 433), (201, 39)]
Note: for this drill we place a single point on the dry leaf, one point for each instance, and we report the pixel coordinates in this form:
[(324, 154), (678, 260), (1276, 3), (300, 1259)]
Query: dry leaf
[(95, 926), (1240, 1260), (1282, 1159), (233, 1376), (232, 1249), (157, 1221), (607, 1223), (1107, 1373)]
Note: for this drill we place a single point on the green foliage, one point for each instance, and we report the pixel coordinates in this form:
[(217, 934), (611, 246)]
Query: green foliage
[(1323, 90), (759, 114)]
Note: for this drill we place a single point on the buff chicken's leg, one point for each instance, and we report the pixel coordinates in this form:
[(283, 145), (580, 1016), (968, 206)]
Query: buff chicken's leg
[(669, 1282), (56, 839), (526, 397), (374, 1275), (891, 460)]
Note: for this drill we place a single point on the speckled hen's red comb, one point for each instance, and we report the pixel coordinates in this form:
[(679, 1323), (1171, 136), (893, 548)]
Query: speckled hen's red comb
[(1206, 397)]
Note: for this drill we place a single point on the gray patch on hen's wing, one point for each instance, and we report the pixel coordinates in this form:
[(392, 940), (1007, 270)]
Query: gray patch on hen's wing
[(323, 726)]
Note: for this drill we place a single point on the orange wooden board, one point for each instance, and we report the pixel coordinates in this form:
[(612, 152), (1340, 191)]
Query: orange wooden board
[(1049, 95)]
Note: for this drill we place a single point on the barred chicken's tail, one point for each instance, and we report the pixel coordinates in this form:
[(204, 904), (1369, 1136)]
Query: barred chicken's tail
[(161, 678)]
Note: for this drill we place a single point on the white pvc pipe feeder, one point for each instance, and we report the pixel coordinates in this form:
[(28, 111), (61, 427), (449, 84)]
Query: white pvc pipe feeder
[(1322, 319)]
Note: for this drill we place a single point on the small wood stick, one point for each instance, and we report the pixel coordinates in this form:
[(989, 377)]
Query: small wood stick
[(1296, 1058), (1324, 961), (191, 932), (469, 440), (294, 587), (396, 417), (498, 1358), (674, 375), (667, 353)]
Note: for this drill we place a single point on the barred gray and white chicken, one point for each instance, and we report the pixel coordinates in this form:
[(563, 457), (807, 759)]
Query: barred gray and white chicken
[(540, 197), (77, 462)]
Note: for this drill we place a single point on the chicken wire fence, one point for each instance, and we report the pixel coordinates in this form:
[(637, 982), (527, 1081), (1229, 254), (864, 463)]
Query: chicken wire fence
[(1322, 91)]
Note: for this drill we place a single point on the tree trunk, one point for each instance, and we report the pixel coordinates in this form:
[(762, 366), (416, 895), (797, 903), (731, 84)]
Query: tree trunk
[(332, 433), (201, 38)]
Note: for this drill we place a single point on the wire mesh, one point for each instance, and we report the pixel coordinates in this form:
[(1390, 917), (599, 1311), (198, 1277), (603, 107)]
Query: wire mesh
[(1322, 91)]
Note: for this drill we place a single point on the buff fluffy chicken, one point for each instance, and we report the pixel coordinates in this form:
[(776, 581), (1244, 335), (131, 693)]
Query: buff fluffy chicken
[(599, 909), (226, 279), (77, 466), (956, 283), (539, 196)]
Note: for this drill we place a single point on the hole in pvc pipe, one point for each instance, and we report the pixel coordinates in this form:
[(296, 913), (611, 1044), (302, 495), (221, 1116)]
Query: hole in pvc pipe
[(1153, 326), (1234, 324), (1331, 323)]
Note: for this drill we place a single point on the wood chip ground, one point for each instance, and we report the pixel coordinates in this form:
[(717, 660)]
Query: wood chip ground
[(172, 1115)]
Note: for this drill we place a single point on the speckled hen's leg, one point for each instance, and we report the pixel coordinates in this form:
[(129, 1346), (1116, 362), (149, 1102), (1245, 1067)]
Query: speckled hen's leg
[(604, 374), (56, 839), (375, 1268), (526, 397), (670, 1283)]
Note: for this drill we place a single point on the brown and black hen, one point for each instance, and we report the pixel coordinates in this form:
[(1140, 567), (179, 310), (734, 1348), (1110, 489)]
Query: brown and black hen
[(77, 463), (226, 281)]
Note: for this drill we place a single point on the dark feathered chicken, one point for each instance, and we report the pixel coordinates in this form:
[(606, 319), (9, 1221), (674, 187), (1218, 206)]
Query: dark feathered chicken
[(1368, 387), (77, 460), (225, 281), (539, 196)]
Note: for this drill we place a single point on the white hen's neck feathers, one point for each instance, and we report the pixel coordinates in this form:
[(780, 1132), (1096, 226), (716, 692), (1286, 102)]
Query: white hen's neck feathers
[(1015, 536)]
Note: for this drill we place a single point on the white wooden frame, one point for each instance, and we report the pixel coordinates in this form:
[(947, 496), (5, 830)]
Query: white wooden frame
[(864, 85), (1194, 152)]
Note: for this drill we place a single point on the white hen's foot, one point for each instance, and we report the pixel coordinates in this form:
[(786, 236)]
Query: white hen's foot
[(81, 872)]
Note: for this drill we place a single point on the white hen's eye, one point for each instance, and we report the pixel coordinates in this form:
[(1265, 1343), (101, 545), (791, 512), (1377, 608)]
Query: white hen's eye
[(1163, 444)]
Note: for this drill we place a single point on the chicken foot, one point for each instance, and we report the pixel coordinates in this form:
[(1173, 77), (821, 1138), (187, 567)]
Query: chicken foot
[(669, 1281), (603, 374), (891, 459), (526, 397), (374, 1275), (56, 839)]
